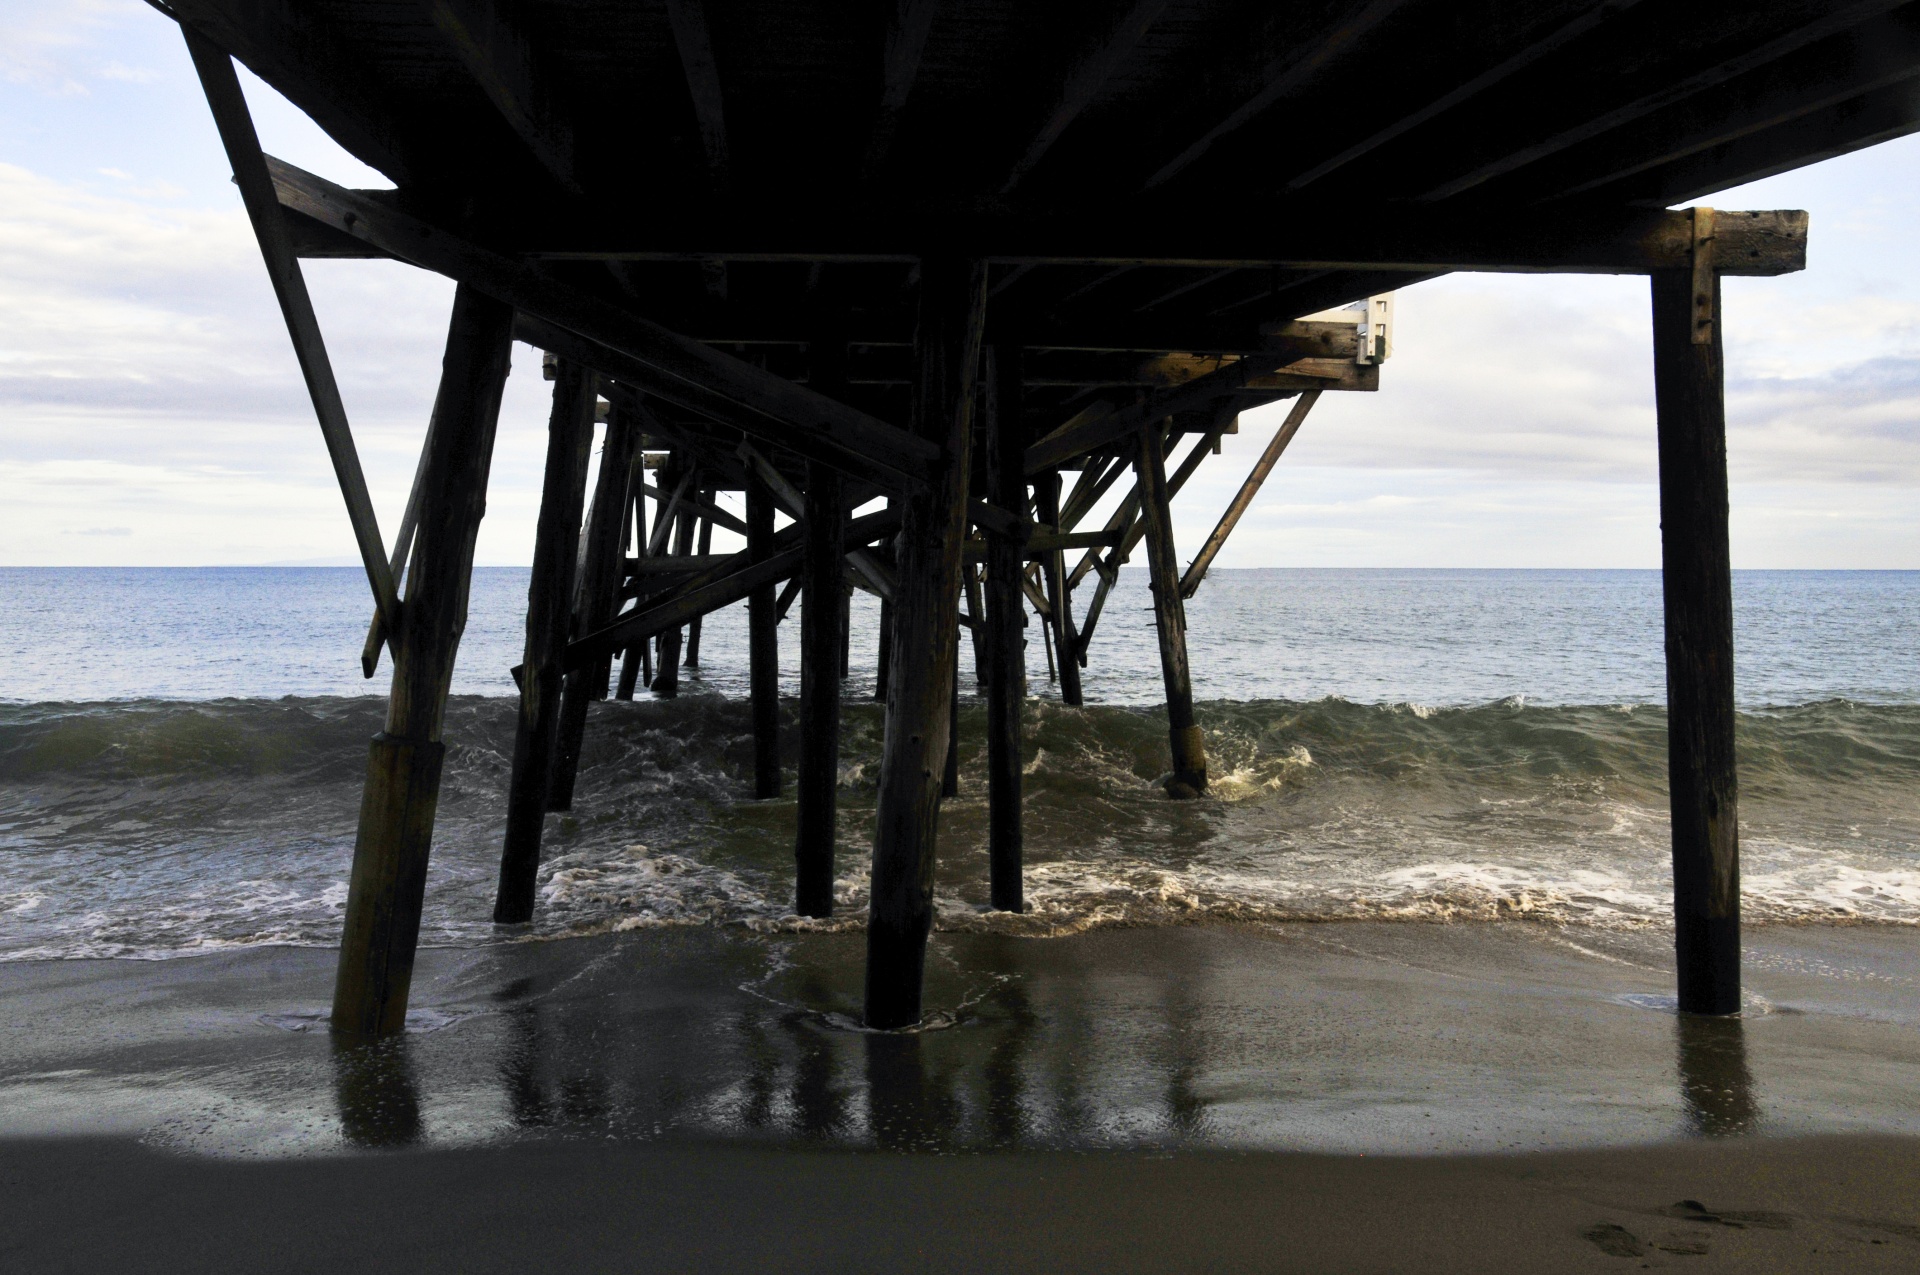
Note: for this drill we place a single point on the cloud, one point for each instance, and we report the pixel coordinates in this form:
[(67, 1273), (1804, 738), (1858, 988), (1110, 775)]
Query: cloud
[(39, 43)]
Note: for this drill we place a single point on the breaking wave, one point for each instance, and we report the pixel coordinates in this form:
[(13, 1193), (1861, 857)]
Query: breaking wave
[(150, 828)]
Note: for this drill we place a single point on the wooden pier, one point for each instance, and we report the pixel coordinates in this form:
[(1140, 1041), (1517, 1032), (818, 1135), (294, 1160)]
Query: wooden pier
[(935, 281)]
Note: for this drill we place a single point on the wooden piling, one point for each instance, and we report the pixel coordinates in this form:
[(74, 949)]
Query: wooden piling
[(1006, 639), (556, 542), (763, 644), (946, 353), (817, 783), (668, 528), (1169, 618), (950, 774), (1698, 587), (1046, 499), (704, 547), (596, 597), (883, 655), (389, 878)]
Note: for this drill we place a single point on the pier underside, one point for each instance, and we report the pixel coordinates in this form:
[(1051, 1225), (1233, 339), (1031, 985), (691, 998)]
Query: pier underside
[(933, 281)]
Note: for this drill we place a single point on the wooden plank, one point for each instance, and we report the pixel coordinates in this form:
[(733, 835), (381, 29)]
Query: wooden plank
[(1242, 499), (549, 612), (388, 883), (694, 39), (1586, 18), (304, 54), (1083, 80), (1494, 153), (1698, 586), (701, 550), (908, 24), (712, 513), (507, 67), (1291, 71), (235, 125), (642, 353), (953, 294)]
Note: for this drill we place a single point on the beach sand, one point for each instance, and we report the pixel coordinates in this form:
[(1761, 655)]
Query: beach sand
[(1356, 1096)]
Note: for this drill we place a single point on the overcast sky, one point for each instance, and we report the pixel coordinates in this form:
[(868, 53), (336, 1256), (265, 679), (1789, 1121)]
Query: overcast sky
[(151, 412)]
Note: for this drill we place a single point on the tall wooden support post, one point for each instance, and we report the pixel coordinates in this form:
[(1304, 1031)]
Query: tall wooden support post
[(1046, 499), (1698, 584), (946, 352), (633, 661), (596, 597), (556, 544), (950, 775), (1169, 618), (666, 676), (818, 781), (763, 644), (846, 628), (389, 879), (1006, 639), (883, 657), (704, 547)]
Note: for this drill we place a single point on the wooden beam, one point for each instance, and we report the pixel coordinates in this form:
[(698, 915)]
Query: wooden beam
[(817, 779), (250, 174), (1509, 240), (908, 25), (1063, 445), (503, 61), (694, 39), (1291, 71), (1197, 569), (1083, 81), (634, 349), (716, 587)]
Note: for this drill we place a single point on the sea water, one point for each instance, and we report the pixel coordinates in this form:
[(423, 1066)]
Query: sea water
[(181, 753)]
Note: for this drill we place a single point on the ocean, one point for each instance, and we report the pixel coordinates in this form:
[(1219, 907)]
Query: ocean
[(181, 753)]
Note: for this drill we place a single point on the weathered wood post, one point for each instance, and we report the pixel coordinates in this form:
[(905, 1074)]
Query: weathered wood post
[(1046, 499), (1006, 639), (946, 353), (950, 775), (883, 657), (596, 596), (556, 543), (703, 547), (1697, 580), (389, 879), (667, 527), (1169, 618), (763, 643), (817, 784)]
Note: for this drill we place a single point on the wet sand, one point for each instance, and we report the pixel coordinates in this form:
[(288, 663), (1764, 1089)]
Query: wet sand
[(1313, 1096), (1801, 1205)]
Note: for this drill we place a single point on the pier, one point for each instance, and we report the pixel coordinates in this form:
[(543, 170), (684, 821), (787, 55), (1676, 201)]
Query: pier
[(931, 282)]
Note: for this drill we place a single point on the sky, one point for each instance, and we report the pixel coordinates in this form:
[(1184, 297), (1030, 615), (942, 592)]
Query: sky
[(151, 412)]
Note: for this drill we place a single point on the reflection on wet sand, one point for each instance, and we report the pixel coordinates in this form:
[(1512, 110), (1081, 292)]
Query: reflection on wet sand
[(1714, 1079), (1033, 1051), (374, 1084)]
